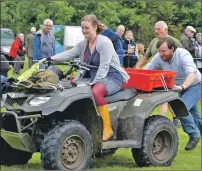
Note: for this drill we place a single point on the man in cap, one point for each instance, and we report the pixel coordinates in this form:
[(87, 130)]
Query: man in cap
[(186, 39), (29, 45)]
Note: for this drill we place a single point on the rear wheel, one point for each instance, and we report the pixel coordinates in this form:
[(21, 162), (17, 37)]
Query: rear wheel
[(159, 144), (10, 156), (68, 146)]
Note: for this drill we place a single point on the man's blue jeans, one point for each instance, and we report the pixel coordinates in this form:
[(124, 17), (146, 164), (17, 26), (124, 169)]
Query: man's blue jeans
[(192, 124)]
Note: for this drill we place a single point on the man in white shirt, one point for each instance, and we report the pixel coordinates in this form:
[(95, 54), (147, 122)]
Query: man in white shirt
[(187, 81)]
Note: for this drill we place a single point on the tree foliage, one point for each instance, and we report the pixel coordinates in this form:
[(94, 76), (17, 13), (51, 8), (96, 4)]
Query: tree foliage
[(138, 16)]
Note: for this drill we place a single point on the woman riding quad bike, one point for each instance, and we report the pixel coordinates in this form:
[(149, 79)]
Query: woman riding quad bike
[(98, 50)]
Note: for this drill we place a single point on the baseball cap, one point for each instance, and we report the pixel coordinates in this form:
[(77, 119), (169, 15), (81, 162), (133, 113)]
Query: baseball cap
[(191, 28)]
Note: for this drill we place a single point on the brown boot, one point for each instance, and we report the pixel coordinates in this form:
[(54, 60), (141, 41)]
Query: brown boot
[(107, 129)]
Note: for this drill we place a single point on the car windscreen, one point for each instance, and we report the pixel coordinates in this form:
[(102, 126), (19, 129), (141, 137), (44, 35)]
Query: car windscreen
[(7, 38)]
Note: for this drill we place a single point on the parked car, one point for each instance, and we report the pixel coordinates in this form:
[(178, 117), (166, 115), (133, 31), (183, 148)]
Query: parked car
[(7, 38)]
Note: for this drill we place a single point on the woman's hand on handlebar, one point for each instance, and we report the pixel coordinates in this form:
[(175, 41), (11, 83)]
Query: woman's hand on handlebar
[(47, 60), (89, 83), (42, 61)]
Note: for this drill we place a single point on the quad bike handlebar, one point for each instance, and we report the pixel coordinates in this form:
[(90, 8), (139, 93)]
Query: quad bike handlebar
[(84, 65), (75, 64)]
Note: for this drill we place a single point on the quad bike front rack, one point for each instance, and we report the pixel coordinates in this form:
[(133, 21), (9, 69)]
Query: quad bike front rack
[(19, 140)]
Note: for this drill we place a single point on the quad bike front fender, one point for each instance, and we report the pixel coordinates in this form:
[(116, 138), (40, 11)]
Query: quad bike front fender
[(70, 96)]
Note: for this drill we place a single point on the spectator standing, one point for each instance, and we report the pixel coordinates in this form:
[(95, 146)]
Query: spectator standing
[(131, 57), (116, 38), (29, 40), (17, 53), (198, 52), (44, 42), (186, 39)]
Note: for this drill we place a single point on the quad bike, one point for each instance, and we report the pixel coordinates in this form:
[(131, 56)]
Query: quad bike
[(65, 126)]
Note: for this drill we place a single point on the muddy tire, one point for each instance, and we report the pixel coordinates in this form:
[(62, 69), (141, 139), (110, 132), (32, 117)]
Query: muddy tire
[(10, 156), (68, 146), (159, 144)]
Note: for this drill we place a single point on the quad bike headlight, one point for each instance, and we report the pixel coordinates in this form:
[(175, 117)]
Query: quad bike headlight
[(37, 101)]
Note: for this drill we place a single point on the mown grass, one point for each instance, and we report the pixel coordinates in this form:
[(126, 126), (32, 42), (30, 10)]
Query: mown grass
[(123, 160)]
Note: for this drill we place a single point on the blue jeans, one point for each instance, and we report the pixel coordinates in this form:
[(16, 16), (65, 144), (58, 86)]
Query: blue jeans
[(192, 124)]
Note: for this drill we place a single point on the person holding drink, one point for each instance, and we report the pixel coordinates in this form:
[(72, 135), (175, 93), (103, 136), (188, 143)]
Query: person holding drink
[(131, 55)]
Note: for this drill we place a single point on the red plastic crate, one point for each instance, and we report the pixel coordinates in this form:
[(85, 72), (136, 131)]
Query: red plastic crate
[(147, 80)]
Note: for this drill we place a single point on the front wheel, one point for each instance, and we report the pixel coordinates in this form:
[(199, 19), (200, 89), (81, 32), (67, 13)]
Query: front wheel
[(159, 144), (68, 146)]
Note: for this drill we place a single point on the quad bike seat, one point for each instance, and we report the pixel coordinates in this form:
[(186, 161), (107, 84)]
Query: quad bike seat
[(122, 95)]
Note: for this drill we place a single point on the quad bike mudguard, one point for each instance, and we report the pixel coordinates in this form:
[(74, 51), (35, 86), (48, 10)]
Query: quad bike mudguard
[(145, 103)]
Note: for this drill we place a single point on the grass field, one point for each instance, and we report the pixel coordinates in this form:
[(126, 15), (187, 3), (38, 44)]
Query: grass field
[(123, 160)]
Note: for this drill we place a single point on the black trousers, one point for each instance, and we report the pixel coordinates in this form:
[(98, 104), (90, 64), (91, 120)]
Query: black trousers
[(129, 61)]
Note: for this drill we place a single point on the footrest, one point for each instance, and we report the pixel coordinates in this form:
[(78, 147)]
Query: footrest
[(120, 144)]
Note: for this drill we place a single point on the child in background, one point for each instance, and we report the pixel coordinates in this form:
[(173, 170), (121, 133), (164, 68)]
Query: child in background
[(131, 57)]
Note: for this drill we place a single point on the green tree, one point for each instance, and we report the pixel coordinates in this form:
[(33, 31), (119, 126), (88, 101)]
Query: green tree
[(138, 16)]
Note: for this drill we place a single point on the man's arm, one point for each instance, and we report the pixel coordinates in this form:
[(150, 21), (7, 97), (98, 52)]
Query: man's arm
[(143, 61), (107, 32), (155, 63), (190, 69), (70, 54), (189, 80)]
